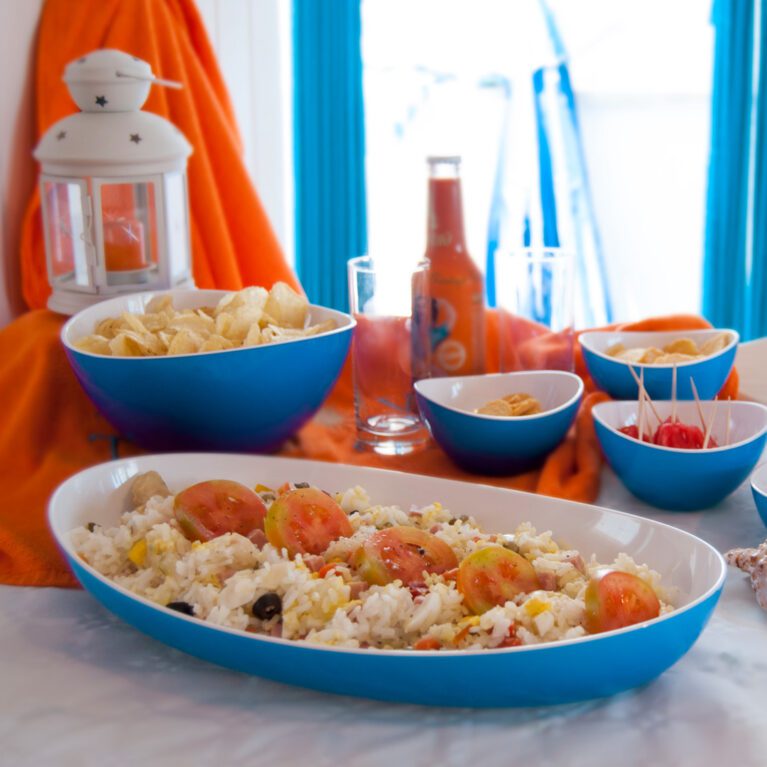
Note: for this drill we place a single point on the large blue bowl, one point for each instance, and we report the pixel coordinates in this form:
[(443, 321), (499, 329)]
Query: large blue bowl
[(683, 480), (614, 377), (553, 673), (246, 400), (486, 444)]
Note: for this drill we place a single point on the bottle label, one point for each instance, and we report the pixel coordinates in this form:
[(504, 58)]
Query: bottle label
[(451, 355), (456, 330)]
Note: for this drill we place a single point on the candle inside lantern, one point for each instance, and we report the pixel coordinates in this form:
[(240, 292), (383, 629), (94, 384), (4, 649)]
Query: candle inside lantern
[(124, 247)]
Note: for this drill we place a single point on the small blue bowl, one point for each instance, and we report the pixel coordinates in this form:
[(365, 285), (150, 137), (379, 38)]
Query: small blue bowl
[(486, 444), (249, 399), (613, 375), (683, 480), (759, 491)]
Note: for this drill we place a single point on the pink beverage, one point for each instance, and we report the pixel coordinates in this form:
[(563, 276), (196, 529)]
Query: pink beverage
[(383, 376), (527, 345), (390, 351)]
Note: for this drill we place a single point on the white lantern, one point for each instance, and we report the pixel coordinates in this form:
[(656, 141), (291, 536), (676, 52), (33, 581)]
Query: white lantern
[(113, 187)]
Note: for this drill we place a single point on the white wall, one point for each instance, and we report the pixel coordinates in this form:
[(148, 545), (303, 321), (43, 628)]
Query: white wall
[(18, 27), (252, 41)]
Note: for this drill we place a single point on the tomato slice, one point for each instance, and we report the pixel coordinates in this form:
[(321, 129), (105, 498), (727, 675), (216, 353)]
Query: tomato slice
[(427, 643), (402, 553), (209, 509), (633, 432), (681, 435), (492, 576), (305, 521), (615, 600)]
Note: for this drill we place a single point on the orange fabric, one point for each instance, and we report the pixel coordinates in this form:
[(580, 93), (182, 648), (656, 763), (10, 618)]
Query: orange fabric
[(51, 430), (233, 244)]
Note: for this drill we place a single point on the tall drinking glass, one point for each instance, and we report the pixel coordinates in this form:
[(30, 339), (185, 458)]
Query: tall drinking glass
[(534, 294), (390, 351)]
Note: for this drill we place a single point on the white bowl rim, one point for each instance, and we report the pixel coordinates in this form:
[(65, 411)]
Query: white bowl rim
[(517, 373), (721, 449), (66, 543), (66, 329), (584, 338), (758, 482)]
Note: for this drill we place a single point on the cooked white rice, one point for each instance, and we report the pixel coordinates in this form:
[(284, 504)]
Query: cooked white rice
[(222, 578)]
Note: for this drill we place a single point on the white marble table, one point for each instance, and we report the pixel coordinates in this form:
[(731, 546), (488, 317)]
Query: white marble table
[(78, 687)]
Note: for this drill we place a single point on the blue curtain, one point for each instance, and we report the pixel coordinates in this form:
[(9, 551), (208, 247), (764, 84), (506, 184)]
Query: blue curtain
[(735, 262), (329, 146), (561, 214)]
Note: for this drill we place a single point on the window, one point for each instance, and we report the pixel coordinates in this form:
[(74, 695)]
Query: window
[(434, 78)]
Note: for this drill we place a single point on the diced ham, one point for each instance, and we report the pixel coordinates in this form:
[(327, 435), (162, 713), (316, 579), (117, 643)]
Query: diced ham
[(547, 580), (575, 559), (435, 529), (276, 630), (258, 538), (356, 588), (314, 562), (417, 588)]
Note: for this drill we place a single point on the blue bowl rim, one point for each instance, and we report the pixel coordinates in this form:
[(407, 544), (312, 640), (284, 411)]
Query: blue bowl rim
[(677, 611), (349, 324), (595, 411), (584, 339), (519, 373), (756, 480)]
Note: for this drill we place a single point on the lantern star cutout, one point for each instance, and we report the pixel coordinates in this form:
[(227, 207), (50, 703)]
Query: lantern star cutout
[(60, 135), (101, 101), (135, 138)]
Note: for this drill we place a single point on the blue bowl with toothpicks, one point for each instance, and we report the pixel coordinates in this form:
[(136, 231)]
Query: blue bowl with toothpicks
[(615, 359), (683, 479)]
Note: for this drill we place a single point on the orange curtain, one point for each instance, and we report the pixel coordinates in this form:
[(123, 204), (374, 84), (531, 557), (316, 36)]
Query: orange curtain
[(233, 244)]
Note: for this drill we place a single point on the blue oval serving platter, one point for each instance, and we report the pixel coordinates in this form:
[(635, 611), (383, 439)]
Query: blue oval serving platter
[(533, 675)]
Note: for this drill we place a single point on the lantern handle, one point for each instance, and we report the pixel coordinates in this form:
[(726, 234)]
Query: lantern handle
[(155, 80)]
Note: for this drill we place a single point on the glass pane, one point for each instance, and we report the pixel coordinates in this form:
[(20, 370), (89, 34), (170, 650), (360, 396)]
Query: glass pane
[(177, 227), (68, 262), (129, 221)]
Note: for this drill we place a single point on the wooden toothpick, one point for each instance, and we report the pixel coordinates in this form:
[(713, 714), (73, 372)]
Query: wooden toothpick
[(640, 385), (727, 430), (673, 394), (697, 404), (710, 427)]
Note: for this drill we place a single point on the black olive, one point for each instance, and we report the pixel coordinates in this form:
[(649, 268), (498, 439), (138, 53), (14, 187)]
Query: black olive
[(181, 607), (301, 485), (267, 606), (92, 526)]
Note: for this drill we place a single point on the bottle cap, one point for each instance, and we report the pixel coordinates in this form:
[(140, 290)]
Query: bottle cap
[(454, 159)]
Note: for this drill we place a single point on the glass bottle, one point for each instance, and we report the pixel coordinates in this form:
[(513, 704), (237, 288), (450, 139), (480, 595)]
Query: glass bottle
[(456, 285)]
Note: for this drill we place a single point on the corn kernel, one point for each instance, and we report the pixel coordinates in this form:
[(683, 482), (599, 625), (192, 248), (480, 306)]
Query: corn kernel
[(137, 553), (535, 607)]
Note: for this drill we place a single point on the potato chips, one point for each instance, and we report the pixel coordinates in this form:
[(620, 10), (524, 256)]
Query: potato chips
[(511, 406), (677, 351), (249, 317)]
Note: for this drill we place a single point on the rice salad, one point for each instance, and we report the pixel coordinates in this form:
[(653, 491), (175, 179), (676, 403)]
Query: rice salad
[(256, 581)]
